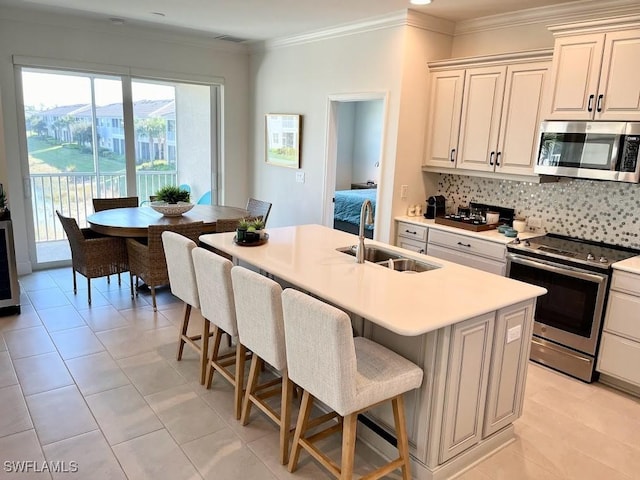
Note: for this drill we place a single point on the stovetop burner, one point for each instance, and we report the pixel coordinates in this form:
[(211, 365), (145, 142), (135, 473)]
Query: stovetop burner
[(594, 254)]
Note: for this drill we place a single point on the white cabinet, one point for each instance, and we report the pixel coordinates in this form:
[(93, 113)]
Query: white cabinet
[(594, 76), (472, 252), (493, 125), (412, 237), (620, 345)]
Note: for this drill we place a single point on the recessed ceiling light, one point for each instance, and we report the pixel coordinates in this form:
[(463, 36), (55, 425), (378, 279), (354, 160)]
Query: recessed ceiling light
[(420, 2), (160, 14), (117, 21)]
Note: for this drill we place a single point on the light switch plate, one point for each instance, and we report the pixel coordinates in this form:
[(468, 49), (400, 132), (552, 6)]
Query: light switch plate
[(404, 191), (300, 177)]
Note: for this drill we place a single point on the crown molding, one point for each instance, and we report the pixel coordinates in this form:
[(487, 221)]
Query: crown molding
[(597, 25), (401, 18), (555, 14), (487, 60)]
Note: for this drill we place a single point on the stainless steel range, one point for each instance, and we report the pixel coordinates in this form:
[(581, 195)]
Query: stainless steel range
[(576, 274)]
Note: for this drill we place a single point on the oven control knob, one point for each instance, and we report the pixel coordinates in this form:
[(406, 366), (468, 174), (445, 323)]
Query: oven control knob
[(604, 260), (516, 241), (527, 243), (590, 256)]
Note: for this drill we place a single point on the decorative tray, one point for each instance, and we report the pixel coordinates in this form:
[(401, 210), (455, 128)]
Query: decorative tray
[(466, 224), (244, 243)]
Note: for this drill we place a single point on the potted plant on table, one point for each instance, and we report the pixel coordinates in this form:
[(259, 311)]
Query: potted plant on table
[(173, 194), (172, 201)]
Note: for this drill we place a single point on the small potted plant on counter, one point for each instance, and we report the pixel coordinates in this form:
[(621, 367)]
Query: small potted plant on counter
[(252, 230), (241, 230)]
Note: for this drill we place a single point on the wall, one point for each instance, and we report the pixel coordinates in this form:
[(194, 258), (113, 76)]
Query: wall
[(299, 77), (344, 158), (367, 140), (593, 210), (77, 39)]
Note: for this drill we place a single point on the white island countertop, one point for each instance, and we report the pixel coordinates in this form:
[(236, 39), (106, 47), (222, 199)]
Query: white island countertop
[(492, 235), (405, 303)]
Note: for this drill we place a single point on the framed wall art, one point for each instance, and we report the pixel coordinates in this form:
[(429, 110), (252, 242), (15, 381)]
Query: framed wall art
[(282, 135)]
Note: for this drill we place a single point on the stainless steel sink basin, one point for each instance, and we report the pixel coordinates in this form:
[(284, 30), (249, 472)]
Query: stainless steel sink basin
[(372, 254), (389, 259)]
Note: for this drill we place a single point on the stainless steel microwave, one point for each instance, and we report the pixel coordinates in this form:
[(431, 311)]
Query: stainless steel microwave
[(597, 150)]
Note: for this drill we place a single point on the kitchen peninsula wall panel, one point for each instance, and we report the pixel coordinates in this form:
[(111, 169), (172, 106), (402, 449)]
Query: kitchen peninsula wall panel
[(594, 210)]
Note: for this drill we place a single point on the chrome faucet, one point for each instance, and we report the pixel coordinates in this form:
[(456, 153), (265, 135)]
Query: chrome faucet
[(366, 216)]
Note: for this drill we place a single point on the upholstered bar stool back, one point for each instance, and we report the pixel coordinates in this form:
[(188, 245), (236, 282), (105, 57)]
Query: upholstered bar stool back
[(258, 303), (215, 290), (349, 375), (182, 279)]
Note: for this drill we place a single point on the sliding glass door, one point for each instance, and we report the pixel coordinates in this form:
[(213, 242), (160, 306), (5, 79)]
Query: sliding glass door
[(81, 145)]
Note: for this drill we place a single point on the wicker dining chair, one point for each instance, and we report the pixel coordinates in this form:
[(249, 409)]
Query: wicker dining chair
[(259, 208), (92, 254), (100, 204), (148, 261)]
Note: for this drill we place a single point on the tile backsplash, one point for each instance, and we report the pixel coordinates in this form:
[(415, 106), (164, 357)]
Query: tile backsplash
[(601, 211)]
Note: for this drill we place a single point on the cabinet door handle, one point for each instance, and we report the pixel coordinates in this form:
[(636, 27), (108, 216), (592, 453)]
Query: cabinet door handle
[(464, 244), (491, 158), (590, 104), (453, 155), (599, 103), (498, 159), (409, 231)]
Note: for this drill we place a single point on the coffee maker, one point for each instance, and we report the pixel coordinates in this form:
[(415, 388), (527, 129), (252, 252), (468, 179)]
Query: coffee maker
[(435, 206)]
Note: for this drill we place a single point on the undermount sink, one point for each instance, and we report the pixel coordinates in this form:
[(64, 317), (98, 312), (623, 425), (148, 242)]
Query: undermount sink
[(389, 259)]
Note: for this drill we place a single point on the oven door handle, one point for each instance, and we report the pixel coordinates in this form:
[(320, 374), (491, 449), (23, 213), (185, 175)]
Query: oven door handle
[(563, 270)]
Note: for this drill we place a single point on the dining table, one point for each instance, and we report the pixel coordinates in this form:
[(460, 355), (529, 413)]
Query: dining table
[(135, 221)]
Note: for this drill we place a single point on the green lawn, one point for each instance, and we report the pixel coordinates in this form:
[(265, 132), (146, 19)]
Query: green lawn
[(47, 158)]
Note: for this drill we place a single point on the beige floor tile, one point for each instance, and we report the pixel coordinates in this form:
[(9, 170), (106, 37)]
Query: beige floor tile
[(14, 416), (18, 448), (150, 373), (91, 454), (27, 318), (507, 464), (144, 318), (36, 281), (59, 414), (47, 298), (121, 298), (7, 373), (223, 455), (28, 341), (76, 342), (472, 474), (188, 367), (101, 318), (80, 299), (154, 456), (184, 414), (123, 414), (41, 373), (128, 341), (60, 318), (96, 373), (3, 344)]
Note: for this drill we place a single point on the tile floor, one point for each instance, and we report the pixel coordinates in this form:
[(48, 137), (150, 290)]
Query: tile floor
[(99, 389)]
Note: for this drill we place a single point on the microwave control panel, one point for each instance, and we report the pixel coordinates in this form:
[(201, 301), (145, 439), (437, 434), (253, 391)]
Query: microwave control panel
[(630, 153)]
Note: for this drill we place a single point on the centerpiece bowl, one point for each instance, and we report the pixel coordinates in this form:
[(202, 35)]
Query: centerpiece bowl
[(171, 209)]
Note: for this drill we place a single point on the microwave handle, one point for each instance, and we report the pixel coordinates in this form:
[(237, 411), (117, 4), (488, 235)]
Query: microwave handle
[(590, 104)]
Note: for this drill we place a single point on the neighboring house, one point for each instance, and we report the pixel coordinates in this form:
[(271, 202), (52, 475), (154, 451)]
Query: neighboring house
[(154, 139)]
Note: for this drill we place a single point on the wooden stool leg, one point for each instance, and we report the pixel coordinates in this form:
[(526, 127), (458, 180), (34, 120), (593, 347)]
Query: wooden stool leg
[(401, 433), (183, 330), (241, 352), (285, 417), (252, 383), (349, 426), (217, 334), (204, 352), (301, 427)]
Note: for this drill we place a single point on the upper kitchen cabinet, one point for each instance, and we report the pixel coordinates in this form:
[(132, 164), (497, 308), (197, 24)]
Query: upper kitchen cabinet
[(595, 72), (503, 99)]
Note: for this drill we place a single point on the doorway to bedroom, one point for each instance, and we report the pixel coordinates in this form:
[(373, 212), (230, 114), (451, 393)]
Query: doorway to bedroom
[(354, 156)]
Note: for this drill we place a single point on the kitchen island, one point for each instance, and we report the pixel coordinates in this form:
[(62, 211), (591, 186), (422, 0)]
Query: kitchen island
[(469, 330)]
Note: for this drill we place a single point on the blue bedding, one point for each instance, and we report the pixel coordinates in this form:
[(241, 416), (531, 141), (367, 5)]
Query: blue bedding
[(349, 202)]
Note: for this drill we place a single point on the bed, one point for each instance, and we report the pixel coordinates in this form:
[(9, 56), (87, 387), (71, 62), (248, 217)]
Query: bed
[(346, 210)]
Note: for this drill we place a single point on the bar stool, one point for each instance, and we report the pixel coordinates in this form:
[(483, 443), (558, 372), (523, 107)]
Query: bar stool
[(261, 329), (349, 375), (215, 290), (182, 279)]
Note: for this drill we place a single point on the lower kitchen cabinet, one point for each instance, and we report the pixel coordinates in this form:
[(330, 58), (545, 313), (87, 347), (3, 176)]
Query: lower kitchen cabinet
[(472, 252), (620, 345), (412, 237)]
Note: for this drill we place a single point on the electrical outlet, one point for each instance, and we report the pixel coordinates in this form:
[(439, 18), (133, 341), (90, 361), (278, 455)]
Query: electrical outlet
[(300, 177), (404, 191)]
